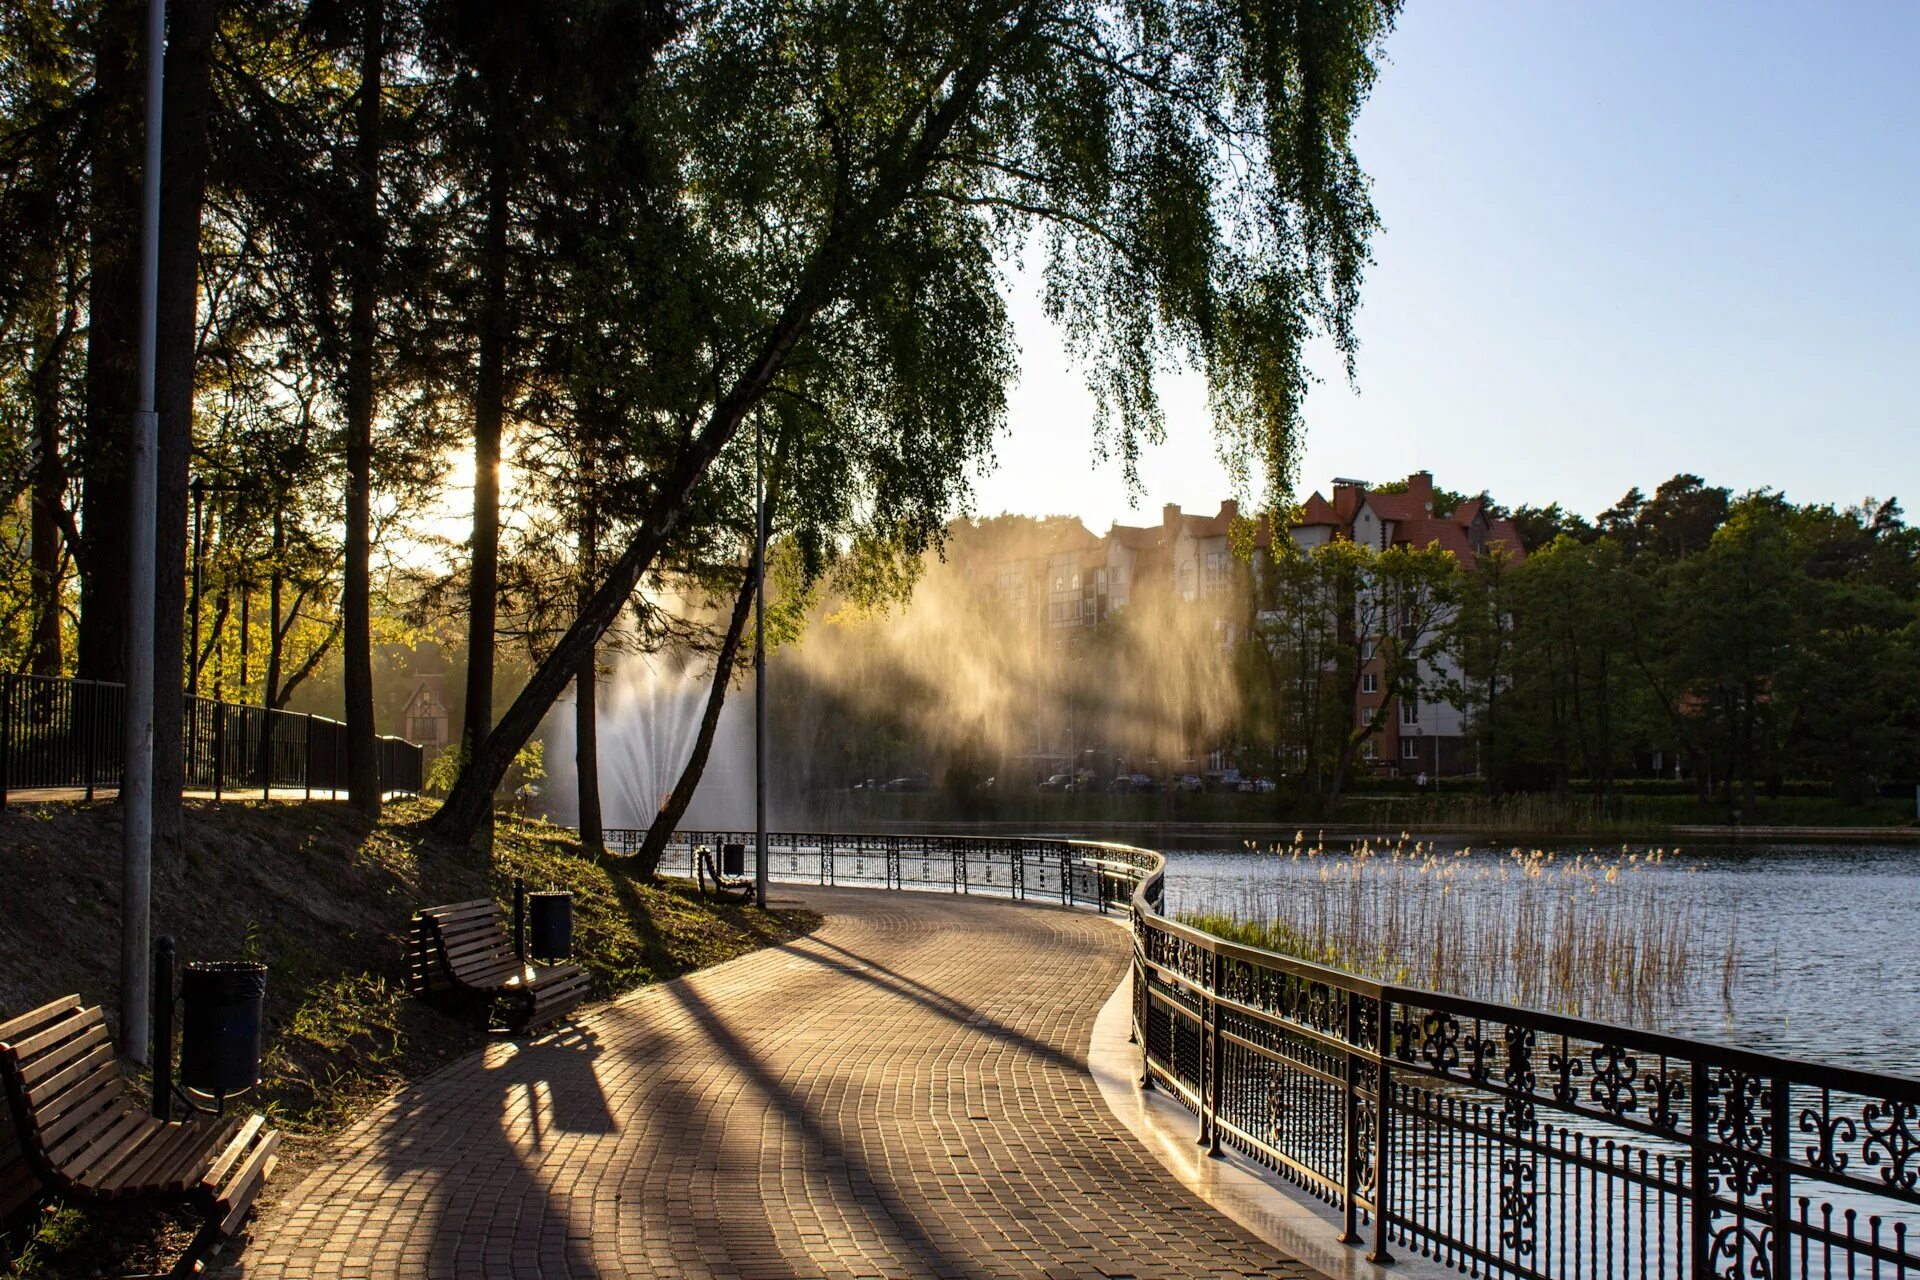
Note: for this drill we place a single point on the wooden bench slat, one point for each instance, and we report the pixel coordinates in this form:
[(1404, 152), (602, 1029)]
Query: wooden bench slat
[(48, 1062), (76, 1110), (246, 1185), (29, 1047), (98, 1057), (97, 1166), (26, 1022), (235, 1148), (112, 1121), (452, 907), (171, 1163)]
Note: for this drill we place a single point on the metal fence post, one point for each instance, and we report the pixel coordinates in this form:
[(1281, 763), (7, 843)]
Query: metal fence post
[(1215, 968), (520, 919), (1382, 1133), (1700, 1212), (6, 738), (1780, 1139), (219, 746), (1349, 1124), (306, 758), (86, 737)]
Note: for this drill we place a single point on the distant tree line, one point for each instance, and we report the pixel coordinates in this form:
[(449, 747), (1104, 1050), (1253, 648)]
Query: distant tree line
[(1735, 642), (1738, 641)]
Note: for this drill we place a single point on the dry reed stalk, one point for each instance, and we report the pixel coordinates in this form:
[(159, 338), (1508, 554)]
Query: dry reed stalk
[(1604, 935)]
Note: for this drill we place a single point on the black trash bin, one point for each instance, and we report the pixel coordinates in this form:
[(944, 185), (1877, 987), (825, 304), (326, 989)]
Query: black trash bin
[(733, 859), (550, 925), (223, 1007)]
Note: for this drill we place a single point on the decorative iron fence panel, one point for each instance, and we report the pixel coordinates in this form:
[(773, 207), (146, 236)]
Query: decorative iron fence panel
[(59, 735)]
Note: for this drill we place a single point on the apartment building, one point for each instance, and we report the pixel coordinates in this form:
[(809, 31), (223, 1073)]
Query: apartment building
[(1417, 738), (1056, 578)]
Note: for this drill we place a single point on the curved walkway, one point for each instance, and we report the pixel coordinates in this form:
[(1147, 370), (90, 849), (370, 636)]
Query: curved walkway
[(903, 1093)]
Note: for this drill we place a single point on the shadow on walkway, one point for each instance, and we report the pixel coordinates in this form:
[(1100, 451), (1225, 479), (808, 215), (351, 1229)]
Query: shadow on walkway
[(533, 1090)]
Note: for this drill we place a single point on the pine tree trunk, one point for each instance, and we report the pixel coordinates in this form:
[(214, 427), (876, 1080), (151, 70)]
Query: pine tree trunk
[(586, 682), (189, 99), (113, 308), (363, 763), (489, 410), (49, 488), (667, 821)]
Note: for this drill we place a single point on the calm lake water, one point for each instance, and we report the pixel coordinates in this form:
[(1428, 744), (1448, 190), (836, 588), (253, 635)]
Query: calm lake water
[(1828, 953)]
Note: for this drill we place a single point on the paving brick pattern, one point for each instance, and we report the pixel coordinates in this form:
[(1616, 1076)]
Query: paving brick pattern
[(904, 1093)]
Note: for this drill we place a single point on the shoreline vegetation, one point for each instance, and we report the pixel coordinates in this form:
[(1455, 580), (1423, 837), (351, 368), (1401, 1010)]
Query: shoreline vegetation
[(1617, 936), (1265, 818), (323, 898)]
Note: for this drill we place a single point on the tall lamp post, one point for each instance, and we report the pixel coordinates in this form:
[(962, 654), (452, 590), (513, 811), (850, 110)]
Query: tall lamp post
[(759, 667), (136, 786)]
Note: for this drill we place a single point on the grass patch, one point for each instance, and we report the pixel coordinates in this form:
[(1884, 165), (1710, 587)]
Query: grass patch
[(323, 898)]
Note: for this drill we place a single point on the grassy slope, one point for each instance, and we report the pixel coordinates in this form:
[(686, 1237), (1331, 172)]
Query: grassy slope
[(323, 899)]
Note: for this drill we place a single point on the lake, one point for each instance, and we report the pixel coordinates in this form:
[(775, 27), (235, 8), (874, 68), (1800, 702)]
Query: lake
[(1826, 957)]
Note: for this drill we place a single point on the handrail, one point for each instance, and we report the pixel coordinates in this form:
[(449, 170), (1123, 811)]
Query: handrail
[(60, 734), (1490, 1137)]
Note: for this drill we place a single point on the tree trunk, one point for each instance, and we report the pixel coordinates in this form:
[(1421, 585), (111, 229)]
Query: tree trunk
[(188, 100), (113, 309), (489, 410), (270, 687), (363, 763), (586, 682), (667, 821), (49, 491)]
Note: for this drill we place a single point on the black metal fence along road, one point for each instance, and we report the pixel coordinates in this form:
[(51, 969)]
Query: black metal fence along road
[(1495, 1139), (65, 735)]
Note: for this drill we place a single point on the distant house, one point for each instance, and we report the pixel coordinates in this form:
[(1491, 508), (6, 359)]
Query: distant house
[(424, 718), (1427, 738)]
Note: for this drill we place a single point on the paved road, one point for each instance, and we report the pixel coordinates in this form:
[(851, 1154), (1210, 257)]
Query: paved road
[(904, 1093)]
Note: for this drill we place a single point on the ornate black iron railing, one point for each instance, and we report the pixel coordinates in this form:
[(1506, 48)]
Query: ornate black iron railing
[(65, 735), (1025, 868), (1494, 1139), (1512, 1142)]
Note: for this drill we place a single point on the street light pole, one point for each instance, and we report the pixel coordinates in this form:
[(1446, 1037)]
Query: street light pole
[(759, 667), (136, 786)]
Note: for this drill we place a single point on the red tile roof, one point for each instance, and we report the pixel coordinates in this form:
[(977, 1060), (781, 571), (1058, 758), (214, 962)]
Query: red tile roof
[(1316, 510)]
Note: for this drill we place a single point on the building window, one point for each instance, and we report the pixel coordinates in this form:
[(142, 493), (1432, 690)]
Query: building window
[(1370, 682), (1409, 711), (1216, 572), (1369, 650), (1409, 748), (1119, 575)]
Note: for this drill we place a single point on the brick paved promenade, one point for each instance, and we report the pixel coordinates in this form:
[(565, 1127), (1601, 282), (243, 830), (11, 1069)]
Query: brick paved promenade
[(903, 1093)]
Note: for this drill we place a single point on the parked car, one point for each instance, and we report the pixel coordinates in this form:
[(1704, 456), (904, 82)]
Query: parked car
[(1261, 785), (905, 784), (1188, 782), (1058, 782)]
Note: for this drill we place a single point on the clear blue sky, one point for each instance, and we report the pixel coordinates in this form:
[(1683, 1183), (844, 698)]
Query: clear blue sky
[(1622, 240)]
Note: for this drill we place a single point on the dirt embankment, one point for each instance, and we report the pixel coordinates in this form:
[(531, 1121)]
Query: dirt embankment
[(323, 898)]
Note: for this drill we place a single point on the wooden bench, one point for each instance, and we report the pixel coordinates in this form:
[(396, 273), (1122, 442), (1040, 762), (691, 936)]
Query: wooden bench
[(727, 890), (73, 1128), (461, 952)]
